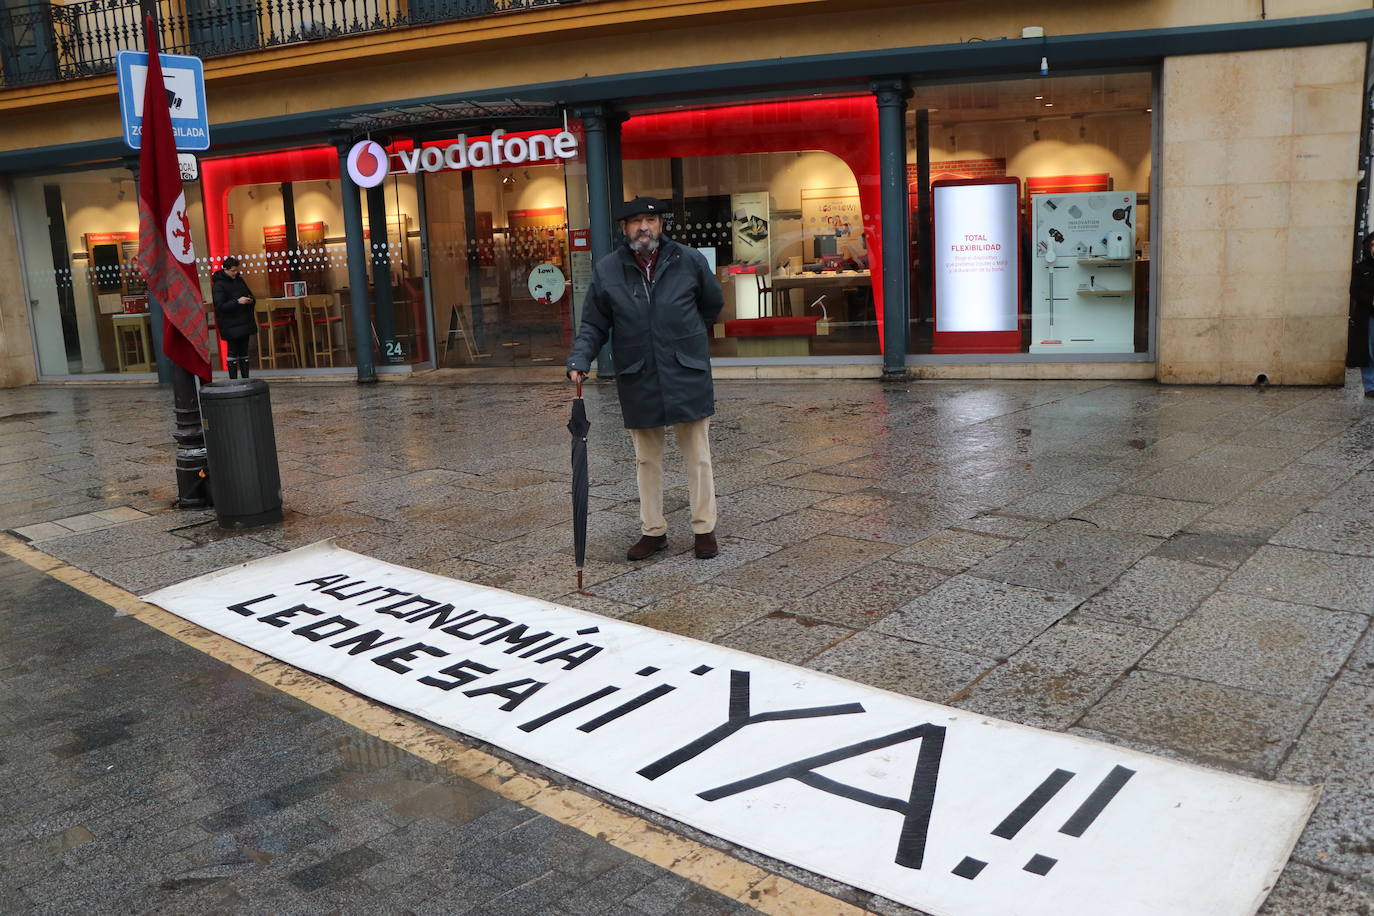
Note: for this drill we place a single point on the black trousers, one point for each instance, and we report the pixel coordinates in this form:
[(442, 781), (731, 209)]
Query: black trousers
[(237, 360)]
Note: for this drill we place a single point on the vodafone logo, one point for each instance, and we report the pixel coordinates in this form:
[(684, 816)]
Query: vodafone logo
[(367, 164)]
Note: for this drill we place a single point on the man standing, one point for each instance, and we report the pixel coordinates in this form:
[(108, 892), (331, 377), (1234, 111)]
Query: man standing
[(660, 297)]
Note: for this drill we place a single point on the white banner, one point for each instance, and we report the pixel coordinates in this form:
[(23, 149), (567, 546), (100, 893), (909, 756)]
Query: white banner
[(940, 809)]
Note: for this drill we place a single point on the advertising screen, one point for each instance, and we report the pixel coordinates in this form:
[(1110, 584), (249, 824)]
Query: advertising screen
[(977, 284)]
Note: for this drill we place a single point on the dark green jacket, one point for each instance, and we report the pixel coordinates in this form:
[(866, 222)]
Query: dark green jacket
[(662, 333)]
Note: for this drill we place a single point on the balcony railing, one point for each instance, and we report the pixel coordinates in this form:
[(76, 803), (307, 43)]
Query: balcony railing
[(45, 42)]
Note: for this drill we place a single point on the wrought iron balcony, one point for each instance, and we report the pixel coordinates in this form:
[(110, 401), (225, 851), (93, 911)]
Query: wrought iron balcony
[(45, 42)]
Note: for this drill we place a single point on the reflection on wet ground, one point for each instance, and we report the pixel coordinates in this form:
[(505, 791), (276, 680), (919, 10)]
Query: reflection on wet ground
[(1189, 571)]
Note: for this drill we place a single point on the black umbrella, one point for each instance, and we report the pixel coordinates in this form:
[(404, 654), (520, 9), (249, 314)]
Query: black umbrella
[(578, 426)]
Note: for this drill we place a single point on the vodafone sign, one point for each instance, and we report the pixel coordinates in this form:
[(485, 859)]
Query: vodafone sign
[(369, 163)]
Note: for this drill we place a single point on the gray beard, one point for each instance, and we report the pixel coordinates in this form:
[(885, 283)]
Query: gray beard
[(644, 245)]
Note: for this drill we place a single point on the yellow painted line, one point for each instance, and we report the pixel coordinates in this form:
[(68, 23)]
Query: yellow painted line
[(703, 865)]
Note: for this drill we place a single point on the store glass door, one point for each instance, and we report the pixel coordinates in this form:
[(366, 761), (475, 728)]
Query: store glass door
[(498, 260)]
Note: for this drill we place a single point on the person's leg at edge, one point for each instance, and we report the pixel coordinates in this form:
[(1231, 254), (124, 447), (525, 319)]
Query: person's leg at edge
[(694, 441), (649, 476), (1367, 371)]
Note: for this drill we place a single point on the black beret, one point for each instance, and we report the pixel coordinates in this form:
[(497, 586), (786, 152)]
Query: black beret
[(650, 205)]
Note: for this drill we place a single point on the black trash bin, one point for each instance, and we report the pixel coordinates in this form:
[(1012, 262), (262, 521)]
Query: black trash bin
[(241, 450)]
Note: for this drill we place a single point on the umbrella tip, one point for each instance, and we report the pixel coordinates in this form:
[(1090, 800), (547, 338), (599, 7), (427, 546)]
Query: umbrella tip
[(579, 580)]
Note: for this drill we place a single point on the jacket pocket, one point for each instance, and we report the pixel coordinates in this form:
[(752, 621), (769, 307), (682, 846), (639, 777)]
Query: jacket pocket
[(693, 362), (631, 369), (693, 351)]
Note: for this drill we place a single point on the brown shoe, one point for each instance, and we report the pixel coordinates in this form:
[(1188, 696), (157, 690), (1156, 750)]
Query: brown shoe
[(647, 546), (706, 547)]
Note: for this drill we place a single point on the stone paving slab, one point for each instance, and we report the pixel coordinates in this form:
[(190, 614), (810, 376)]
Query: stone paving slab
[(1338, 745), (1071, 556), (1288, 650), (1308, 577), (1197, 480), (1208, 722), (901, 665), (1156, 592), (1329, 533), (976, 615)]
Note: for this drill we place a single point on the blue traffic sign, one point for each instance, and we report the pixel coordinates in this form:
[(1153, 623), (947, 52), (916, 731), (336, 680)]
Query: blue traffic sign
[(183, 78)]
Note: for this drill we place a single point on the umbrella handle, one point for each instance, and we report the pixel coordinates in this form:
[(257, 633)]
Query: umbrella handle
[(579, 388)]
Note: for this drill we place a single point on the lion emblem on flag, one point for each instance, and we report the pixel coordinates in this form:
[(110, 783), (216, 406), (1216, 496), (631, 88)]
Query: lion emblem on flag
[(179, 232)]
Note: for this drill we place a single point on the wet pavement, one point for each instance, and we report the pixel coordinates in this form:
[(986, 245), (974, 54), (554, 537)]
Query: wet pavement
[(140, 776), (1186, 571)]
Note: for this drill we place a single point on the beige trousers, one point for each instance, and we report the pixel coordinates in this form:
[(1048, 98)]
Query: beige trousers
[(694, 441)]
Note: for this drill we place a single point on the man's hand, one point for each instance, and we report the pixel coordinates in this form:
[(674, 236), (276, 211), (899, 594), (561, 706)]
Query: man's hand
[(576, 376), (245, 300)]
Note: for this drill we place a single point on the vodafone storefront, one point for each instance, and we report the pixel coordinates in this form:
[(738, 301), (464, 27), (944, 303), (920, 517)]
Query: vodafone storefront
[(469, 243), (437, 262)]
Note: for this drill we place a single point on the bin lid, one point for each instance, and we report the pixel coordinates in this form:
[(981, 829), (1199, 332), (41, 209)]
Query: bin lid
[(233, 388)]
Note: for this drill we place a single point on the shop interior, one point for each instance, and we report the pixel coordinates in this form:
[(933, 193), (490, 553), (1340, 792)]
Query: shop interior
[(289, 239), (499, 266), (89, 300), (785, 232), (1078, 145)]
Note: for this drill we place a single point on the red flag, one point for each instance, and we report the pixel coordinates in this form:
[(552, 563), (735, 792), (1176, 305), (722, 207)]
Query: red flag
[(165, 253)]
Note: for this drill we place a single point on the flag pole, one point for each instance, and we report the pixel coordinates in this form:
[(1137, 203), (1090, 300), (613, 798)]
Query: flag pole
[(189, 435), (192, 474)]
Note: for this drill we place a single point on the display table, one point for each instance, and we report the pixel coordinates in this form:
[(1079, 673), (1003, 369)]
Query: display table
[(773, 336), (831, 284)]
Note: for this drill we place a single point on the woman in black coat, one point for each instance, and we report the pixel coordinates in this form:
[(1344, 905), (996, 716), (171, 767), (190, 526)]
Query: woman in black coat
[(1361, 351), (234, 314)]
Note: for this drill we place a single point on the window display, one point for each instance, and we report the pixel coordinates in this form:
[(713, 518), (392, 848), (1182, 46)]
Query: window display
[(1080, 147), (1083, 274), (88, 301), (280, 213), (787, 213)]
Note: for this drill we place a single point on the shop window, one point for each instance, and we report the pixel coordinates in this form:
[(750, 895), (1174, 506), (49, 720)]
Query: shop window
[(281, 215), (782, 198), (499, 265), (1039, 230), (88, 301)]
